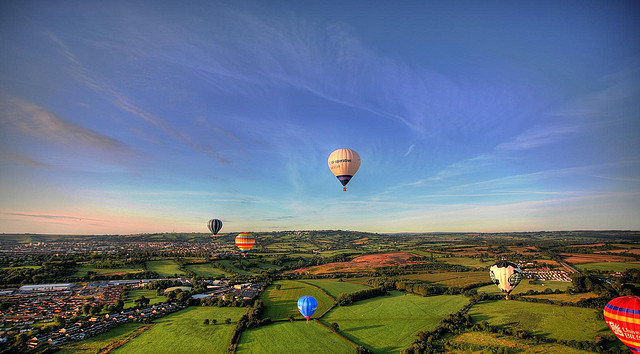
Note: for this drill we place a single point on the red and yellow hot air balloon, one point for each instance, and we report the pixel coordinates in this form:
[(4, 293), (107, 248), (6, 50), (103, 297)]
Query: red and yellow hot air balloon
[(344, 163), (623, 317), (245, 242)]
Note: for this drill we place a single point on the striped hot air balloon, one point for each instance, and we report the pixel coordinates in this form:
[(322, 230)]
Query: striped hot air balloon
[(344, 163), (623, 317), (506, 276), (214, 226), (245, 242)]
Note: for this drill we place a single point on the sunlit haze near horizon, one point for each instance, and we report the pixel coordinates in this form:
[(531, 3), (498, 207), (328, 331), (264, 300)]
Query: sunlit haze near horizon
[(155, 116)]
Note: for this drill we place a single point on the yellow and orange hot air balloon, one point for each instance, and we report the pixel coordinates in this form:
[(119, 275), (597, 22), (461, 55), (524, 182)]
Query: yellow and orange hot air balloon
[(344, 163), (245, 242)]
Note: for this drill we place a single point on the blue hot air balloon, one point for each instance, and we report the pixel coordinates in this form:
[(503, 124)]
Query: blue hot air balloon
[(307, 306)]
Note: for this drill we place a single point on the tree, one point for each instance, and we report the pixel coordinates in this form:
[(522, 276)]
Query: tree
[(291, 318), (334, 327), (86, 309), (227, 321), (278, 286), (141, 301), (206, 321), (214, 321)]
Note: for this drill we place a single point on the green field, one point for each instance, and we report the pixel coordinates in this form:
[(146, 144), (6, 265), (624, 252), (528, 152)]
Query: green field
[(458, 279), (609, 266), (82, 269), (184, 332), (132, 295), (388, 324), (334, 287), (473, 341), (164, 267), (541, 319), (467, 261), (296, 337), (207, 270), (101, 342), (279, 304), (524, 286), (565, 297)]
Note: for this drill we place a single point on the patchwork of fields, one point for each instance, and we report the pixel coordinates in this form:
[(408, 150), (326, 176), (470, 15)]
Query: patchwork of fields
[(389, 323)]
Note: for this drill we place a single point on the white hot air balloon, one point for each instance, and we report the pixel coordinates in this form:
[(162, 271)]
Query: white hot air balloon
[(344, 163)]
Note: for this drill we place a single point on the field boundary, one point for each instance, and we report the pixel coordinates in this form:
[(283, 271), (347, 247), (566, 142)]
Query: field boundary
[(324, 292), (340, 335), (115, 345)]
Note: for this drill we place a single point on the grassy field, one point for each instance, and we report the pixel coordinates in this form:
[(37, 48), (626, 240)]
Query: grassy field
[(524, 286), (609, 266), (82, 269), (541, 319), (474, 341), (334, 287), (459, 279), (132, 295), (565, 297), (207, 270), (164, 267), (184, 332), (389, 323), (296, 337), (102, 342), (466, 261), (279, 304)]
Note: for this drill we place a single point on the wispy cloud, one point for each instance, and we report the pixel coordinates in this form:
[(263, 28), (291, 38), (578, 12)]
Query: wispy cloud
[(62, 218), (93, 81), (36, 121), (19, 158)]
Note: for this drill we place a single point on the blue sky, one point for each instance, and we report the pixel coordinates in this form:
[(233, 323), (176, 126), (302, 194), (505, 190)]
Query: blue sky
[(151, 116)]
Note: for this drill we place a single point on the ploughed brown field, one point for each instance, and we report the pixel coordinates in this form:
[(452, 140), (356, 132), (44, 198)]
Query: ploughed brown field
[(361, 264), (633, 251), (593, 258)]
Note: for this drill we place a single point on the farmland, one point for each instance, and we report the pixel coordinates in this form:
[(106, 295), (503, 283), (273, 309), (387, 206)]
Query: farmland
[(609, 266), (109, 340), (86, 269), (207, 270), (390, 323), (541, 319), (292, 337), (184, 332), (474, 341), (281, 303), (164, 267), (132, 295), (525, 286), (457, 279), (334, 287)]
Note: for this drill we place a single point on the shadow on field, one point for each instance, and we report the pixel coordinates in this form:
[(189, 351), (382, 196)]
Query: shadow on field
[(363, 327)]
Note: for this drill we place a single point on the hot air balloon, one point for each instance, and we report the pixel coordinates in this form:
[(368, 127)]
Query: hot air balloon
[(344, 163), (307, 305), (214, 226), (245, 242), (506, 276), (623, 317)]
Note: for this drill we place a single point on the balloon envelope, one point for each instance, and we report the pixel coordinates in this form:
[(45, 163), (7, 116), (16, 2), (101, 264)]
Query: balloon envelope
[(622, 314), (307, 305), (245, 242), (344, 163), (506, 276), (214, 226)]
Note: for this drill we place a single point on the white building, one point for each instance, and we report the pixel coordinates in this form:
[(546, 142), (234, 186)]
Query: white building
[(46, 287)]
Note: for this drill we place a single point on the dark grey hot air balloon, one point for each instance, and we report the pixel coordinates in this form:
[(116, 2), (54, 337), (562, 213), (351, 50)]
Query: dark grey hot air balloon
[(214, 226)]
